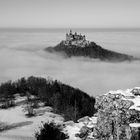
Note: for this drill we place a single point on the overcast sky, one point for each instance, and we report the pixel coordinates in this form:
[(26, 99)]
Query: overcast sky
[(70, 13)]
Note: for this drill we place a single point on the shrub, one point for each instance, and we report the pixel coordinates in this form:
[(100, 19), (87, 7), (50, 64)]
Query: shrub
[(6, 102), (51, 131), (29, 105)]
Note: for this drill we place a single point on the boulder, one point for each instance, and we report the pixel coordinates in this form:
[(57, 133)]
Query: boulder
[(114, 116), (84, 132), (85, 119), (136, 91)]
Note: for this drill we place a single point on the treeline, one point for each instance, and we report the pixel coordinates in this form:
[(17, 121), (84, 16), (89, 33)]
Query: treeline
[(71, 102)]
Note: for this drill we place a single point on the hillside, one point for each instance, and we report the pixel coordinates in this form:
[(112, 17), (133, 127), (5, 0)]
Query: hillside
[(27, 102), (77, 45), (92, 50), (63, 98)]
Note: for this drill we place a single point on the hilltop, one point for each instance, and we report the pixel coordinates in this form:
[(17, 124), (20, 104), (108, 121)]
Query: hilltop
[(77, 45)]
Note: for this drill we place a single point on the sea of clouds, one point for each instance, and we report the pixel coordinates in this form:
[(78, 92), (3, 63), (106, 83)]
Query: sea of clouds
[(92, 76), (24, 58)]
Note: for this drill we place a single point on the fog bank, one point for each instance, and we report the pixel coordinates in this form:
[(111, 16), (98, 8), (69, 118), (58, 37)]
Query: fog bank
[(91, 76)]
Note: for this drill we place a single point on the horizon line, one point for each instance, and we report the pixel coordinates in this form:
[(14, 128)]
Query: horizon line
[(1, 28)]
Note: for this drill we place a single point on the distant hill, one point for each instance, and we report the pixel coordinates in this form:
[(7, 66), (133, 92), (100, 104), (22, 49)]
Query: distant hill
[(92, 50), (77, 45)]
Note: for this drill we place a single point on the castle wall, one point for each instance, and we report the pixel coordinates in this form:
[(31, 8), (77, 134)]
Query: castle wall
[(75, 39)]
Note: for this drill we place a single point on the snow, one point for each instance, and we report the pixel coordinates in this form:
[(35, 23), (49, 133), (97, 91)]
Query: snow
[(16, 116), (137, 88), (128, 93), (122, 92), (12, 115), (136, 102), (72, 130), (90, 122), (93, 119), (18, 98), (134, 124)]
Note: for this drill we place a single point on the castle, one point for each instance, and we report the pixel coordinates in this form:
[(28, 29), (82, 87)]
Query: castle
[(76, 39)]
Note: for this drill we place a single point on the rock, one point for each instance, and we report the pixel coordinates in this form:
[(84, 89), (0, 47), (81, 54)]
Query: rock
[(115, 119), (90, 125), (70, 123), (84, 132), (93, 119), (85, 119), (88, 122), (136, 91), (134, 125), (114, 116)]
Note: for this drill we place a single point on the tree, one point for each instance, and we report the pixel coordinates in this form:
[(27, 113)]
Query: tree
[(29, 105), (51, 131)]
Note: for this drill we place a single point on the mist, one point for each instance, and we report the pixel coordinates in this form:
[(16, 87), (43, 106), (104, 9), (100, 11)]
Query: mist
[(92, 76)]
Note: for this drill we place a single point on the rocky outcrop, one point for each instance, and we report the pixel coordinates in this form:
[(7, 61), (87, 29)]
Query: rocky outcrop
[(83, 129), (116, 114), (118, 117)]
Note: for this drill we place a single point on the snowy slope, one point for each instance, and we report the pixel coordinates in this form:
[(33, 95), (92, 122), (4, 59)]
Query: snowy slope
[(25, 127)]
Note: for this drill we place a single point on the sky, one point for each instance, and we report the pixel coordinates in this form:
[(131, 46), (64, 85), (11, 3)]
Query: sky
[(70, 13)]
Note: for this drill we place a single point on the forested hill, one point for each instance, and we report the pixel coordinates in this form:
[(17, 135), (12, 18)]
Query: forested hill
[(71, 102), (91, 50)]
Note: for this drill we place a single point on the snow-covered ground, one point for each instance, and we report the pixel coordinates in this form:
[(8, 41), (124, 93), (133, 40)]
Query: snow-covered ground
[(24, 127), (75, 128)]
